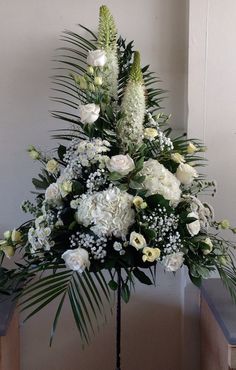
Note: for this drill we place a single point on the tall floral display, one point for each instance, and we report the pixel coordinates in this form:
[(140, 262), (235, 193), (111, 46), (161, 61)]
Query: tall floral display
[(118, 197)]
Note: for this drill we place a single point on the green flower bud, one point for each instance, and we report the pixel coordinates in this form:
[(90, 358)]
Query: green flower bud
[(224, 224), (91, 87), (90, 70), (98, 81), (7, 234)]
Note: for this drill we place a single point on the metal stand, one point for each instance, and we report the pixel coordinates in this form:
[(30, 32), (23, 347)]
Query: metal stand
[(118, 322)]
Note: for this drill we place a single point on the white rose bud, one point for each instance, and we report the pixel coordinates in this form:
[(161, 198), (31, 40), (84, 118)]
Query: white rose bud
[(195, 226), (97, 58), (16, 236), (98, 81), (89, 113), (177, 157), (52, 194), (186, 174), (174, 261), (191, 148), (52, 166), (137, 240), (123, 164), (209, 243), (76, 259), (7, 234)]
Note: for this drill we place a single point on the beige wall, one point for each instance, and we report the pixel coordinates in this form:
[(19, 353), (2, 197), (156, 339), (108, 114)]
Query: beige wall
[(212, 118), (29, 32)]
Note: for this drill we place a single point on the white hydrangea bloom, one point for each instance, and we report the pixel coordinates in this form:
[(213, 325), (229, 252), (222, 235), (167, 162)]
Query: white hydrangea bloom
[(108, 212), (160, 181)]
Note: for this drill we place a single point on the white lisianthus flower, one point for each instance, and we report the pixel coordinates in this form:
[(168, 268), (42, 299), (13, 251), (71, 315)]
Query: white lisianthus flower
[(52, 166), (210, 245), (89, 113), (108, 212), (97, 58), (139, 202), (16, 236), (195, 226), (76, 259), (158, 180), (7, 234), (53, 194), (123, 164), (137, 240), (7, 249), (186, 174), (151, 254), (177, 157), (150, 133), (191, 148), (173, 262), (66, 188)]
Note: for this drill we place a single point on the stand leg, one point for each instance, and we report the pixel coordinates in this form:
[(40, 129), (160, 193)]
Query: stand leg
[(118, 323)]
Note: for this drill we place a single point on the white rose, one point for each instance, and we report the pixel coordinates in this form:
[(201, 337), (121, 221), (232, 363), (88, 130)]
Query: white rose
[(53, 194), (137, 240), (122, 164), (97, 58), (76, 259), (173, 262), (89, 113), (186, 174), (195, 226)]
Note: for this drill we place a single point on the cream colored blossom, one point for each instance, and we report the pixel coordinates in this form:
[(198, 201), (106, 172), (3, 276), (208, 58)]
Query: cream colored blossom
[(191, 148), (177, 157), (137, 240), (52, 166), (139, 202), (150, 133), (16, 236), (151, 254)]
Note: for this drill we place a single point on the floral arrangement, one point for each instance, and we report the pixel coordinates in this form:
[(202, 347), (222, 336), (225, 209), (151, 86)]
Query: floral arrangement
[(122, 195)]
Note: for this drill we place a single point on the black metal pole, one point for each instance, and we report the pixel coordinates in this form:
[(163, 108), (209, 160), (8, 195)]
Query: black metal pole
[(118, 321)]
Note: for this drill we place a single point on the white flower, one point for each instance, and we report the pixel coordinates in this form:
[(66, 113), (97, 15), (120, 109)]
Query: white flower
[(150, 133), (177, 157), (191, 148), (89, 113), (195, 226), (137, 240), (186, 174), (173, 262), (123, 164), (210, 245), (76, 259), (66, 188), (117, 246), (160, 181), (97, 58), (107, 212), (52, 166), (16, 236), (52, 194)]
